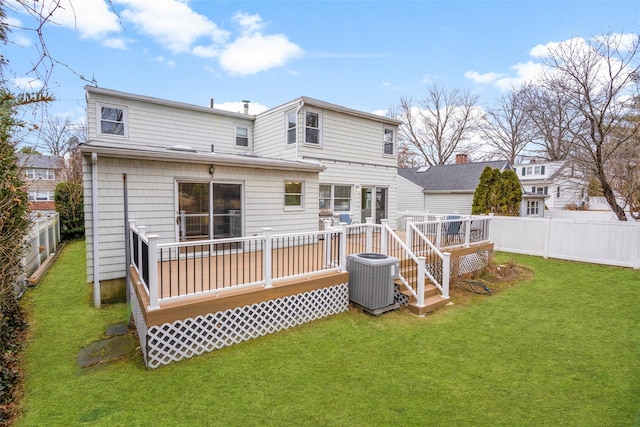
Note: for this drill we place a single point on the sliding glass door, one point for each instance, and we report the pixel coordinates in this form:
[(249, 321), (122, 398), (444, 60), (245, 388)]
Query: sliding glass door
[(208, 210)]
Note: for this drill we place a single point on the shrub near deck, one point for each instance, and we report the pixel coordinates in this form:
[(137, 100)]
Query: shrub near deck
[(559, 349)]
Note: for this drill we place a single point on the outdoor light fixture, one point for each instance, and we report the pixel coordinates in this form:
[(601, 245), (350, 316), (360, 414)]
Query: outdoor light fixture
[(212, 169)]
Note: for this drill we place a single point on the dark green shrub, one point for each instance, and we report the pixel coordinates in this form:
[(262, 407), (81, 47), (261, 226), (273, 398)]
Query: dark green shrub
[(69, 201)]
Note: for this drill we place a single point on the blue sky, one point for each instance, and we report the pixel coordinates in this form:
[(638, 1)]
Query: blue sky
[(360, 54)]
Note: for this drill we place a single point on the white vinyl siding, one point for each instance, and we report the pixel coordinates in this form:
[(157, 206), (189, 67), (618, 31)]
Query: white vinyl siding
[(448, 203), (156, 125), (151, 188), (410, 196)]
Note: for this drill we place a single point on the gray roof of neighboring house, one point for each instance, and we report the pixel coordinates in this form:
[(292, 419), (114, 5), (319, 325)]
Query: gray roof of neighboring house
[(462, 177), (38, 161)]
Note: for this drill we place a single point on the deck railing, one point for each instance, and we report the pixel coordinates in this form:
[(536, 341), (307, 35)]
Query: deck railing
[(454, 230), (170, 271)]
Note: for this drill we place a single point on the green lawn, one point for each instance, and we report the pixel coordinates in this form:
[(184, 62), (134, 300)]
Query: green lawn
[(560, 349)]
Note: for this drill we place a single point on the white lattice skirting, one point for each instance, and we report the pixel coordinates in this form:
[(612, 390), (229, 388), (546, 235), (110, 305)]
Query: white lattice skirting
[(473, 262), (171, 342)]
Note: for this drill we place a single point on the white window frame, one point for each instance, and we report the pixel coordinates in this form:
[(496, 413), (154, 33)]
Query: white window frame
[(319, 128), (296, 207), (385, 142), (236, 136), (288, 128), (533, 207), (41, 196), (125, 120), (332, 197)]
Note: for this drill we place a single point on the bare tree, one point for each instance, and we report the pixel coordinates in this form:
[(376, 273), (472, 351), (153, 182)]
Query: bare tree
[(407, 157), (553, 119), (598, 79), (441, 124), (508, 126)]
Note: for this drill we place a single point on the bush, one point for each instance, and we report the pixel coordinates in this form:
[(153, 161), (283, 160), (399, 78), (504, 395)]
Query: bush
[(69, 200)]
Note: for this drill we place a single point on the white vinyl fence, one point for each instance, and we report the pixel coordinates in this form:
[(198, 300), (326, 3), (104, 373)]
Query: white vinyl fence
[(606, 242), (42, 242)]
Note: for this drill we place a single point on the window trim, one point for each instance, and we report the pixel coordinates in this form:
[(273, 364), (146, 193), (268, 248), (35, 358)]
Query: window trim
[(287, 128), (319, 128), (125, 120), (332, 196), (533, 207), (385, 143), (301, 194), (249, 137)]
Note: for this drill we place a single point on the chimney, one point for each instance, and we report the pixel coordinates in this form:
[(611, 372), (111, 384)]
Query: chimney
[(211, 103), (246, 106), (461, 158)]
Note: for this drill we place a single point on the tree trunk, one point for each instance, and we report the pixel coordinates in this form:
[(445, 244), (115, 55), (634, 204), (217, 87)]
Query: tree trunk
[(610, 197)]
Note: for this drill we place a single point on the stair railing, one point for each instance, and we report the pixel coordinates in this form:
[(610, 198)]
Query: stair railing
[(401, 251), (430, 248)]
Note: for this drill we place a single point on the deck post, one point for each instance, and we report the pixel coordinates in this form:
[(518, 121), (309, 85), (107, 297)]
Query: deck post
[(446, 272), (142, 230), (267, 257), (153, 272), (369, 235), (438, 231), (420, 291), (408, 238), (328, 244), (467, 231), (383, 237), (487, 226), (343, 246)]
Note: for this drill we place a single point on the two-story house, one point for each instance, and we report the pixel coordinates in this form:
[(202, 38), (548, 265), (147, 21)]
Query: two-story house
[(194, 172), (560, 181), (41, 173)]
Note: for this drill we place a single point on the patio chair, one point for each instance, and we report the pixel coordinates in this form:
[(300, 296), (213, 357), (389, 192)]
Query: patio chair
[(346, 218), (452, 229)]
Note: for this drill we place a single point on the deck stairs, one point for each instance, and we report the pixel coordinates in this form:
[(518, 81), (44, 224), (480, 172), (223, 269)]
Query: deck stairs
[(433, 298)]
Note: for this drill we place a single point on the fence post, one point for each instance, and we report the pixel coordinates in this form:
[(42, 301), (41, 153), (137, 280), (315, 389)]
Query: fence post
[(343, 246), (408, 237), (446, 273), (467, 230), (153, 272), (420, 290), (369, 242), (547, 238), (383, 237), (267, 257)]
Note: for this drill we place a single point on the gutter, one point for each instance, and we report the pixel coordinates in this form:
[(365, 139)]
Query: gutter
[(94, 226)]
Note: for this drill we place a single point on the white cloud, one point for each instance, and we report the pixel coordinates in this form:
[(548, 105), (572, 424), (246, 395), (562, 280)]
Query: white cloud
[(27, 83), (168, 62), (172, 23), (250, 23), (257, 52), (476, 77), (91, 18), (115, 43)]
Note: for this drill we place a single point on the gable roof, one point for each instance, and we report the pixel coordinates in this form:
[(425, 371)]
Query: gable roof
[(455, 178), (38, 161)]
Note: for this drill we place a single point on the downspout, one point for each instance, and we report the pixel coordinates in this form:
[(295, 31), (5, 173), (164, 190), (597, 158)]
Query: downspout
[(94, 227), (297, 130)]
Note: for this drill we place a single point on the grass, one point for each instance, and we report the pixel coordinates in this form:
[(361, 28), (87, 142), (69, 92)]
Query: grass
[(562, 348)]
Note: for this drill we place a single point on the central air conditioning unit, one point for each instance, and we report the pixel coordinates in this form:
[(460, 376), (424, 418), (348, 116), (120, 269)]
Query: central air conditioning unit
[(371, 279)]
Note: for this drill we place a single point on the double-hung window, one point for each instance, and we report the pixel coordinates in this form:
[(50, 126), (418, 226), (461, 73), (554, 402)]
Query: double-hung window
[(291, 123), (335, 197), (242, 137), (533, 207), (112, 120), (312, 128), (389, 142), (293, 194)]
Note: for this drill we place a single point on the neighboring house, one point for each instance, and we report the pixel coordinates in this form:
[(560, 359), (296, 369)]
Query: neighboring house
[(42, 173), (560, 181), (442, 189), (194, 172)]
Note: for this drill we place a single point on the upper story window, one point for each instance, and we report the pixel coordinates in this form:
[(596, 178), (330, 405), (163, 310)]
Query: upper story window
[(540, 190), (48, 174), (312, 128), (293, 194), (532, 170), (389, 142), (242, 137), (292, 125), (112, 120)]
